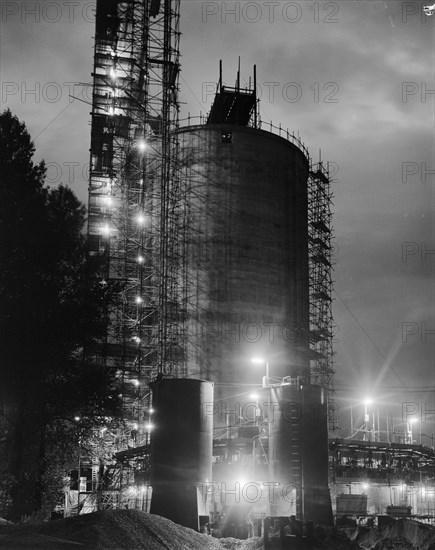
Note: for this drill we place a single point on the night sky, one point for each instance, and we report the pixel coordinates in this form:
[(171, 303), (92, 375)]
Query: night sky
[(356, 79)]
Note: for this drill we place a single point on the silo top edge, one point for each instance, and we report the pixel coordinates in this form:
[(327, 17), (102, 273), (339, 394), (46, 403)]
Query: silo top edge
[(278, 133)]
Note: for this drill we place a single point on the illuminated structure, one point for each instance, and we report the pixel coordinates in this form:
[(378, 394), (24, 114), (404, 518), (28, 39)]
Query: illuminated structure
[(219, 226), (396, 476), (134, 196), (219, 234)]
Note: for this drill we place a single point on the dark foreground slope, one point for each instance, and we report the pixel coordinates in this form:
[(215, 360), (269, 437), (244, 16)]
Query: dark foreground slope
[(131, 530), (111, 529)]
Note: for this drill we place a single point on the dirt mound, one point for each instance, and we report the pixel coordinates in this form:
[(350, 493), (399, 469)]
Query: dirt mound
[(131, 530), (108, 530)]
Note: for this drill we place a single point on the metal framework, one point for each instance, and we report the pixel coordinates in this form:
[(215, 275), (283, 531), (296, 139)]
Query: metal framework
[(320, 281), (235, 105), (135, 197)]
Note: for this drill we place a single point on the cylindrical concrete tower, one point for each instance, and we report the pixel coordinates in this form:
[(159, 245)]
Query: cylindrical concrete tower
[(247, 240), (298, 451), (181, 448)]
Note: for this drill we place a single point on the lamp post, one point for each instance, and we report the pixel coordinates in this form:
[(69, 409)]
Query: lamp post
[(367, 402), (260, 361), (257, 413), (409, 424), (79, 466)]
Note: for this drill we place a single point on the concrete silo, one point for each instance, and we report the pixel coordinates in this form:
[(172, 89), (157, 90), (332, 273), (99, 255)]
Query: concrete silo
[(247, 252)]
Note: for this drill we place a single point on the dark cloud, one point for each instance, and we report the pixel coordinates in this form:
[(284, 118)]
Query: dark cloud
[(374, 134)]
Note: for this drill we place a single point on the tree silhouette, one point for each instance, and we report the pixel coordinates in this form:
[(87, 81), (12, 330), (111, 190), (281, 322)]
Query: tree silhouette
[(52, 304)]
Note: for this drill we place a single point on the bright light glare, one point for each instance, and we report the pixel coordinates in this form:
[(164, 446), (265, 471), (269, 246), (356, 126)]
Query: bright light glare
[(140, 259), (257, 360), (135, 382), (141, 219), (149, 427), (77, 418), (113, 73), (413, 420), (151, 411), (365, 486), (138, 300), (105, 230), (142, 145), (253, 396), (368, 401)]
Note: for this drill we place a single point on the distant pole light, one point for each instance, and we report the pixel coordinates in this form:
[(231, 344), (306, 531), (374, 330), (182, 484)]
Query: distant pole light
[(138, 300), (261, 361), (140, 259)]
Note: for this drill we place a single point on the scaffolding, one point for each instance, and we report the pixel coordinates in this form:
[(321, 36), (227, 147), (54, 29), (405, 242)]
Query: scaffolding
[(236, 105), (135, 198), (320, 281)]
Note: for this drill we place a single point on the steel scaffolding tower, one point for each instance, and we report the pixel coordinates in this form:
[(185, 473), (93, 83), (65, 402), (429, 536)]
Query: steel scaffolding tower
[(320, 280), (135, 196)]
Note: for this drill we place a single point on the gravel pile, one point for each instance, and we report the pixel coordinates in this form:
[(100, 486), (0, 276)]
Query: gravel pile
[(131, 530), (108, 530)]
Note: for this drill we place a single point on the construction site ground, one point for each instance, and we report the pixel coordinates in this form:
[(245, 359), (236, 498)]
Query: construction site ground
[(131, 529)]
